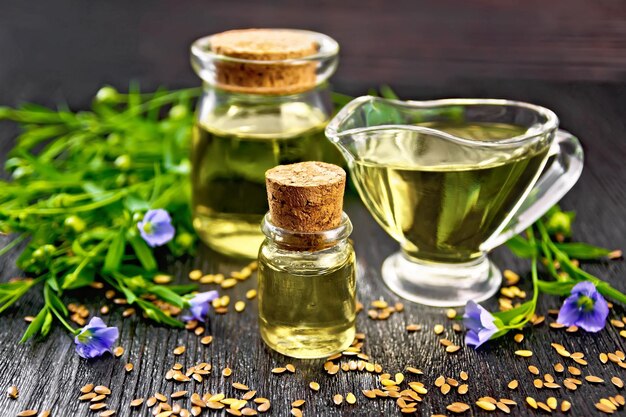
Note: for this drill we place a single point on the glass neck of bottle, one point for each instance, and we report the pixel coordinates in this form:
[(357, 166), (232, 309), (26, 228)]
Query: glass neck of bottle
[(306, 241)]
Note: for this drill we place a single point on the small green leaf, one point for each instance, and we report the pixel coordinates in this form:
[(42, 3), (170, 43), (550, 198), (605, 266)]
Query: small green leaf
[(556, 287), (35, 326), (56, 303), (168, 295), (47, 324), (115, 252), (85, 277), (581, 250), (520, 247), (143, 252)]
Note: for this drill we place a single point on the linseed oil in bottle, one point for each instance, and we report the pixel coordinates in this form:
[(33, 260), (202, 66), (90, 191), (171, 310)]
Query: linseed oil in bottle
[(265, 103), (306, 276)]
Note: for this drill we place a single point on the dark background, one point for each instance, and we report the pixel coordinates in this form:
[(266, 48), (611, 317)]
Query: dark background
[(569, 56)]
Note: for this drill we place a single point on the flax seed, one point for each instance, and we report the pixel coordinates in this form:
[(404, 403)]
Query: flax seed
[(558, 367), (179, 350), (338, 399), (464, 375), (452, 348), (226, 372), (264, 407), (524, 353), (503, 407), (87, 388), (486, 405), (565, 406), (458, 407), (531, 402), (594, 379), (617, 382), (240, 386), (533, 370), (413, 328), (128, 367), (518, 337), (13, 392), (451, 313), (101, 389), (136, 402), (513, 384), (26, 413), (438, 329), (463, 388), (97, 406)]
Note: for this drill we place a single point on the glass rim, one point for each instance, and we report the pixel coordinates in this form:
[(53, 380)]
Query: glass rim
[(328, 48), (551, 122), (291, 237)]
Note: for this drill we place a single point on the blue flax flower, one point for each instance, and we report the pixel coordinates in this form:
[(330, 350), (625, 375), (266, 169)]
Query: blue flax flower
[(480, 324), (585, 308), (199, 306), (156, 227), (95, 339)]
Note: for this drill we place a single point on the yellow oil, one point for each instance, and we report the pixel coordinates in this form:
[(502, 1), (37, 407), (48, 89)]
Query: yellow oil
[(231, 152), (439, 210), (305, 312)]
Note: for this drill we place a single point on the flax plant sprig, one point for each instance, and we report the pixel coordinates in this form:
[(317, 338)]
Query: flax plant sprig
[(80, 186), (545, 246)]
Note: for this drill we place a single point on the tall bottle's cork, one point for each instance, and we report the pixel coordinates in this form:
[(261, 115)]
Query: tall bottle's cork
[(307, 196), (249, 48)]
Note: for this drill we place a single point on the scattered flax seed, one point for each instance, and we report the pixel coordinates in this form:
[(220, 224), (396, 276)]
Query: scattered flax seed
[(179, 350), (13, 392), (44, 413), (558, 367), (118, 351), (555, 325), (604, 408), (438, 329), (297, 403), (206, 340), (350, 398), (463, 388), (226, 372), (503, 407), (195, 275), (440, 381), (594, 379), (573, 370), (87, 397), (451, 313), (604, 358), (544, 407), (98, 398), (616, 254), (240, 386), (251, 294), (457, 327), (458, 407), (290, 368), (399, 307), (464, 376), (101, 389), (518, 337), (278, 370), (533, 369), (162, 398), (452, 348), (513, 384), (314, 386), (511, 277), (151, 401), (524, 353), (413, 328), (617, 382), (107, 413), (296, 412), (338, 399), (178, 394), (565, 406), (486, 405), (27, 413), (247, 411), (538, 383), (414, 371), (136, 402), (264, 407), (531, 402), (128, 367), (445, 389)]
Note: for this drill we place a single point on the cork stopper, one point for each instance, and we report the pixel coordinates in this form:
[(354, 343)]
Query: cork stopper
[(307, 196), (265, 45)]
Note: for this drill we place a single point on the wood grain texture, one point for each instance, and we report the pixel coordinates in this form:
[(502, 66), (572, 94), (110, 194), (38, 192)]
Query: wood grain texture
[(148, 41)]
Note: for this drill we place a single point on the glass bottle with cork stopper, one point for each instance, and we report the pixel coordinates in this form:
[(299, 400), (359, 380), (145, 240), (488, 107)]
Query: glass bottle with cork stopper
[(306, 275), (265, 103)]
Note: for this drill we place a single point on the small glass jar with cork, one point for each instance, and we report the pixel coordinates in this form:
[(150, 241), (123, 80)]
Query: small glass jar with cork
[(307, 271), (265, 103)]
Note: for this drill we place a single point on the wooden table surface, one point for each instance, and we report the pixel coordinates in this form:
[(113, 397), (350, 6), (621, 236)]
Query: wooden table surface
[(49, 373)]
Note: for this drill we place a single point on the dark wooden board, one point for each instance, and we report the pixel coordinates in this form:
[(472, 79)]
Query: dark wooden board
[(82, 47)]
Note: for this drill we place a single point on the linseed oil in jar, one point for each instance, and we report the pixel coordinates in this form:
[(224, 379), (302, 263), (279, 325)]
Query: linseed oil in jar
[(306, 275), (265, 103)]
